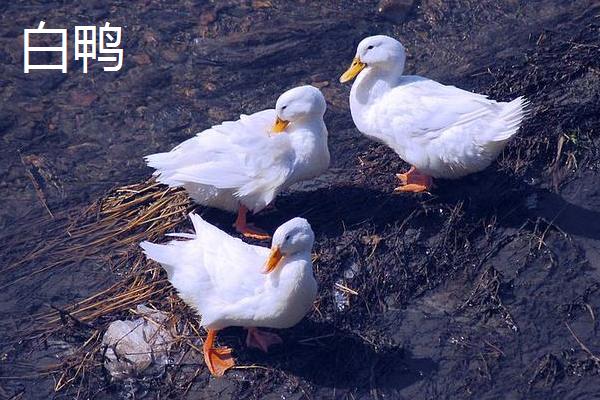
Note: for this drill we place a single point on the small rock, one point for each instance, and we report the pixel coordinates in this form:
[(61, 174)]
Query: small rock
[(133, 346), (141, 59), (84, 99)]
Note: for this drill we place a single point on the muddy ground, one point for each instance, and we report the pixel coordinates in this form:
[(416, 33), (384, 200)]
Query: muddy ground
[(485, 289)]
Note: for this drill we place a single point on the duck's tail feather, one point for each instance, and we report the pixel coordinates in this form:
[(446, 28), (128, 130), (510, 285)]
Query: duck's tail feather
[(203, 228), (169, 255), (510, 118), (165, 254), (165, 167)]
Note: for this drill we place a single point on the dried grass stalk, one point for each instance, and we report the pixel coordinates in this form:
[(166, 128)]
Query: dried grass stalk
[(108, 230)]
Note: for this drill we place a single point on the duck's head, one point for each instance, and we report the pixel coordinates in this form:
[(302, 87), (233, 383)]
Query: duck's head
[(297, 104), (378, 52), (294, 237)]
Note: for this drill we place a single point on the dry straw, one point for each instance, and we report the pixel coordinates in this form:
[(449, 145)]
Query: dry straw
[(108, 231)]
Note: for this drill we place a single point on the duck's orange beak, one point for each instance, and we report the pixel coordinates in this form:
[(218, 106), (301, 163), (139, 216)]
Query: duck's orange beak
[(280, 125), (353, 70), (273, 260)]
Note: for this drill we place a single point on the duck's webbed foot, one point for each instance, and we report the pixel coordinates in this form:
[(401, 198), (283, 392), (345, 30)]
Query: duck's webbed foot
[(246, 229), (251, 231), (261, 340), (414, 181), (218, 360)]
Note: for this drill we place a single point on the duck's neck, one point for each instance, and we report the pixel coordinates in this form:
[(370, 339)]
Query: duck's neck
[(292, 270), (309, 140), (370, 85)]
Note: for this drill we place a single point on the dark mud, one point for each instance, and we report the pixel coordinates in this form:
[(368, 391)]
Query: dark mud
[(486, 289)]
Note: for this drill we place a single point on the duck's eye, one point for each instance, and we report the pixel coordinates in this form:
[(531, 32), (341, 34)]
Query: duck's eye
[(283, 108), (287, 237), (370, 47)]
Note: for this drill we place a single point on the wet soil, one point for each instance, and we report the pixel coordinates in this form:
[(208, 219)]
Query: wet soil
[(486, 289)]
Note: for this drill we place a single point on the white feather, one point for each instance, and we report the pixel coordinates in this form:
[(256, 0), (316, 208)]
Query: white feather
[(242, 162), (221, 277), (443, 131)]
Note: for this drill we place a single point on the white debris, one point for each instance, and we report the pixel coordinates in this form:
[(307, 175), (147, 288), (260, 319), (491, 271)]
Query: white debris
[(134, 345), (340, 297)]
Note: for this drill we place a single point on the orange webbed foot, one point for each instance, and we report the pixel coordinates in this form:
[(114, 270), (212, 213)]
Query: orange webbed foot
[(218, 360), (411, 188), (413, 181), (251, 231), (246, 229), (262, 340), (404, 176)]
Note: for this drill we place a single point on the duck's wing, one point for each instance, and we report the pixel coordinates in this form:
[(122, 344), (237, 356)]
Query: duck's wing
[(238, 155), (425, 110), (213, 269)]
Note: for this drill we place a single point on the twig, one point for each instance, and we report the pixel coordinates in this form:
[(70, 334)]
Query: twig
[(594, 357), (345, 289), (38, 190)]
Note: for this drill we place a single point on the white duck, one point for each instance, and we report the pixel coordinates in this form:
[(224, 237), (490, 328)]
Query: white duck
[(442, 131), (231, 283), (242, 165)]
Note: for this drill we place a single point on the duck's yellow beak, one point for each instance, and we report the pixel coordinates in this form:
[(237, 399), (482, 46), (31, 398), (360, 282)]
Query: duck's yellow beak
[(273, 260), (353, 70), (280, 125)]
